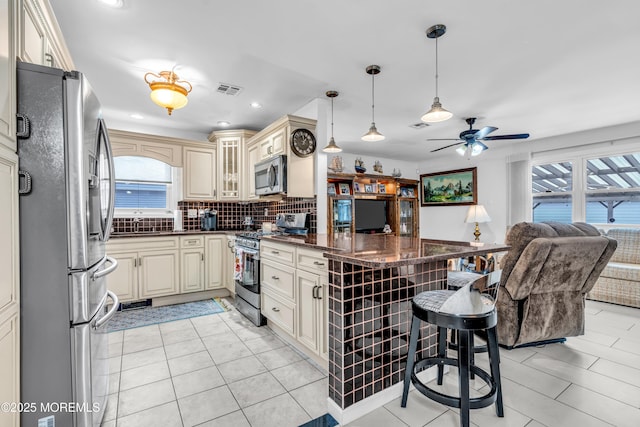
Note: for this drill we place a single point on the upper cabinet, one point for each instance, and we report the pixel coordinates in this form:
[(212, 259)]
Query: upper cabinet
[(7, 75), (39, 37), (230, 166), (275, 140), (199, 173)]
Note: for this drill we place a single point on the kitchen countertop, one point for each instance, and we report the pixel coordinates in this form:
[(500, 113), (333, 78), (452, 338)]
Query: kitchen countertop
[(381, 250), (170, 233)]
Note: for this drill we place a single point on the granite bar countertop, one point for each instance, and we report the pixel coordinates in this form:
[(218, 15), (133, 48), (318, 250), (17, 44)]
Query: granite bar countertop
[(381, 250)]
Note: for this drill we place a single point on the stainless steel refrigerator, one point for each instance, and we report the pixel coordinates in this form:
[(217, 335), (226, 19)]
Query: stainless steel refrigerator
[(66, 210)]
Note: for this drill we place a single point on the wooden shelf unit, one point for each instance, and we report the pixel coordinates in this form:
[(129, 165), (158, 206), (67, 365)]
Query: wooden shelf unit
[(401, 194)]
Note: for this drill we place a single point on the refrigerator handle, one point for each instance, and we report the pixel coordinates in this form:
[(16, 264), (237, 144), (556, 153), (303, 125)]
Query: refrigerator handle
[(112, 181), (111, 312), (108, 270)]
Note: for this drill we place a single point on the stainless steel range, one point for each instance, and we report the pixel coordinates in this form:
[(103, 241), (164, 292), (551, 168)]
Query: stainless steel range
[(247, 276)]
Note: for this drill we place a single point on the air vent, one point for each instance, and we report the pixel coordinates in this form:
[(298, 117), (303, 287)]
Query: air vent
[(228, 89), (419, 125)]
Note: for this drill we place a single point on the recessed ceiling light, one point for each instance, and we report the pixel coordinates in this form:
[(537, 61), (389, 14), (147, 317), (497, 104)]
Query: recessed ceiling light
[(113, 3), (137, 116), (223, 123), (256, 105)]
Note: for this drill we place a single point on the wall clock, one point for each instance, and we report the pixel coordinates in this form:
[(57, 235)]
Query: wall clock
[(302, 142)]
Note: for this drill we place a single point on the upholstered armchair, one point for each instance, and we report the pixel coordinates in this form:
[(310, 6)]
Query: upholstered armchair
[(545, 277)]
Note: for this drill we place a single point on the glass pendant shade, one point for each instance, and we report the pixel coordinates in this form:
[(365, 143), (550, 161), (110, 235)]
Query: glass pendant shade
[(169, 92), (436, 113), (373, 135)]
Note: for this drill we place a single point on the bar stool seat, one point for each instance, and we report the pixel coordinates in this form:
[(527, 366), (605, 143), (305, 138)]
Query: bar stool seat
[(470, 309)]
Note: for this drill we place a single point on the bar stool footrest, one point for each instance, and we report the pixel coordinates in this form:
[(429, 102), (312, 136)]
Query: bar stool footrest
[(445, 399)]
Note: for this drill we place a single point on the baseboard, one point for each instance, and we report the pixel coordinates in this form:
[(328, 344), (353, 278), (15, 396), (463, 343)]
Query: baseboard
[(190, 297), (370, 404)]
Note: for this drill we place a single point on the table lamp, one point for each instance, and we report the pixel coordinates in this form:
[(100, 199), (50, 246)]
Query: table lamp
[(477, 214)]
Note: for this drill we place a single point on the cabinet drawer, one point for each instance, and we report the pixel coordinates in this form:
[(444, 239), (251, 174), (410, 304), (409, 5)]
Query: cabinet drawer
[(279, 278), (282, 253), (278, 312), (191, 241), (311, 260)]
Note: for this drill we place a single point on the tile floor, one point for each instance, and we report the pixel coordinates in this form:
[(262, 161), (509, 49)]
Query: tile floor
[(220, 370)]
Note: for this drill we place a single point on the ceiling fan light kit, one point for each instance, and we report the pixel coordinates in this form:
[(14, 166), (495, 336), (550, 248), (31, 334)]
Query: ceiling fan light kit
[(332, 147), (373, 135), (168, 91), (437, 113)]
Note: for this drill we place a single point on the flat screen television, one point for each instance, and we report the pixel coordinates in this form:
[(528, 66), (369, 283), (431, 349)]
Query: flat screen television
[(370, 215)]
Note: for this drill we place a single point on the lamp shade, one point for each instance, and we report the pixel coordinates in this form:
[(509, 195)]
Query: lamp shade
[(477, 213), (332, 147), (436, 113), (167, 90), (373, 135)]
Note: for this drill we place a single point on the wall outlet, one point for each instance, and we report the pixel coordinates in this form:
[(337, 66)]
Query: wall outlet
[(192, 213), (266, 211)]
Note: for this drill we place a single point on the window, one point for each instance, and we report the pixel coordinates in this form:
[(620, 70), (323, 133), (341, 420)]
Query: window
[(613, 189), (597, 190), (144, 186), (552, 187)]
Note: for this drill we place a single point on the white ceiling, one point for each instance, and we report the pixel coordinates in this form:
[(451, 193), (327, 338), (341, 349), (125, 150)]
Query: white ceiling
[(545, 67)]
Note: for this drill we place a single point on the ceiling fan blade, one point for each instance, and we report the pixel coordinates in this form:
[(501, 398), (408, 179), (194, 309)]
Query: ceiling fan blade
[(484, 132), (444, 139), (498, 137), (446, 146)]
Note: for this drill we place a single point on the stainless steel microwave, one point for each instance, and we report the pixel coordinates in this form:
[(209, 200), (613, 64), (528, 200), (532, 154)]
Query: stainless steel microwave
[(271, 176)]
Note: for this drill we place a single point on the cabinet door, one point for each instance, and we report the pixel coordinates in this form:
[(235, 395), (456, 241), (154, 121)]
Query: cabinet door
[(214, 249), (253, 157), (7, 75), (33, 38), (192, 267), (158, 273), (199, 173), (124, 280), (308, 285), (278, 143), (9, 251), (229, 168), (9, 370)]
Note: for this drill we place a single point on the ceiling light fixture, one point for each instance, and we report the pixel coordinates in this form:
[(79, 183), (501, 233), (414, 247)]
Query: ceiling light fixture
[(169, 91), (256, 105), (373, 134), (112, 3), (471, 149), (224, 123), (332, 147), (436, 113)]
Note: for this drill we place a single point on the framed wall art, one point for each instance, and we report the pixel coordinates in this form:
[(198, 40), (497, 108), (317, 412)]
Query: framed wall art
[(344, 188), (456, 187)]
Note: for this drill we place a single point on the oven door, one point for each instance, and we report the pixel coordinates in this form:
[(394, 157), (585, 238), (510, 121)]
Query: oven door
[(248, 264)]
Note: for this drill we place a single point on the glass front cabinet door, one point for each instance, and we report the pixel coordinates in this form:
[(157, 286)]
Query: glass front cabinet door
[(341, 215), (407, 217)]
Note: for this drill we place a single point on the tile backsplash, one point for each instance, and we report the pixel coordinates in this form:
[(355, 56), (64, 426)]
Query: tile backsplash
[(230, 215)]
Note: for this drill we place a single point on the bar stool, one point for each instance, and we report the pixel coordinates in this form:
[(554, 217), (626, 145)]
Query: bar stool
[(470, 309)]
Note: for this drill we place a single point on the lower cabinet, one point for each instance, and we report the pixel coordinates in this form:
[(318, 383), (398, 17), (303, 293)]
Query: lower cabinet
[(9, 369), (216, 256), (150, 267), (294, 293)]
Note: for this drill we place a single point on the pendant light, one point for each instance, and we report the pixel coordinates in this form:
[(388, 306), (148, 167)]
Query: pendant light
[(332, 147), (167, 90), (436, 113), (373, 134)]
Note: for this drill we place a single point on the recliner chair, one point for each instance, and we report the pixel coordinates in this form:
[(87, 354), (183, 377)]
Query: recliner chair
[(545, 277)]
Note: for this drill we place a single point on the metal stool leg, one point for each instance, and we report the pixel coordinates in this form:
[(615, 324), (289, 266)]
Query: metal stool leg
[(442, 351), (463, 375), (494, 361), (411, 357)]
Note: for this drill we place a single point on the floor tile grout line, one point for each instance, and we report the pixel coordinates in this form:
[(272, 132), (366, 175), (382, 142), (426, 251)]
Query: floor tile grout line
[(173, 386)]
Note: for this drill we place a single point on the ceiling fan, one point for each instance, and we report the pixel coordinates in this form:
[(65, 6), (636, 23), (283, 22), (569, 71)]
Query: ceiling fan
[(471, 139)]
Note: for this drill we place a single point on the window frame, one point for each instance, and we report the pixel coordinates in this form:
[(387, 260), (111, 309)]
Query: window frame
[(174, 195)]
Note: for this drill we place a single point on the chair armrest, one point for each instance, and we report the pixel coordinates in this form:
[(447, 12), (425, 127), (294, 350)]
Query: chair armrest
[(525, 273)]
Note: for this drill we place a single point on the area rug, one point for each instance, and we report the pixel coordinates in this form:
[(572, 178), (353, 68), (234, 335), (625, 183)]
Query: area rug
[(136, 318), (324, 421)]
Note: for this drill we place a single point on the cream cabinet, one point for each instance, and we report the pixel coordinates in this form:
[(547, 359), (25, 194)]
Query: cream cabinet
[(10, 369), (199, 173), (230, 167), (9, 285), (192, 264), (216, 257), (148, 267), (7, 76), (40, 40), (294, 293), (273, 145), (252, 157)]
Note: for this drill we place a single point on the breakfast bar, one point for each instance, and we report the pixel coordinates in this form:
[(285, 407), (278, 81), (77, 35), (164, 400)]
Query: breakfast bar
[(372, 280)]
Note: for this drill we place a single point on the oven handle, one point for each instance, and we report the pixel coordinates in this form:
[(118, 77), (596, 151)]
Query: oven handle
[(253, 252)]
